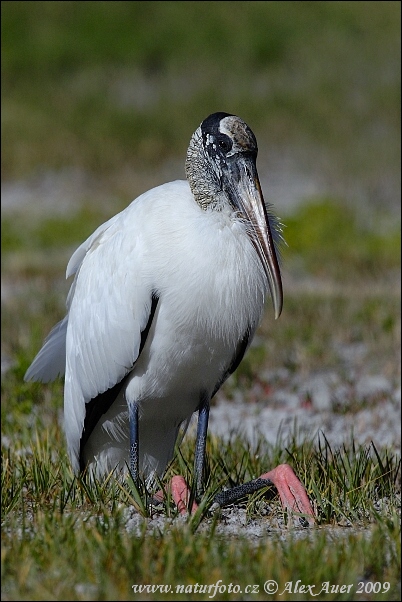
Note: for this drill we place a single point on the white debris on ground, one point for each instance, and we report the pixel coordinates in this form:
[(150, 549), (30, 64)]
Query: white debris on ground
[(368, 409)]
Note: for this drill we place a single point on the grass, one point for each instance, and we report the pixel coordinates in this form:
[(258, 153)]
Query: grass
[(63, 538), (329, 236)]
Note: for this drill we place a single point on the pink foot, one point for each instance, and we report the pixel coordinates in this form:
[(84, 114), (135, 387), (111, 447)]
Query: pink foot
[(291, 490), (180, 494)]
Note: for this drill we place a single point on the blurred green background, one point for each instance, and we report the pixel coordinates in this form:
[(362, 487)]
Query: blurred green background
[(99, 100)]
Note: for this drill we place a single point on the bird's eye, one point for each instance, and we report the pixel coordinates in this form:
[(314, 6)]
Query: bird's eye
[(225, 144)]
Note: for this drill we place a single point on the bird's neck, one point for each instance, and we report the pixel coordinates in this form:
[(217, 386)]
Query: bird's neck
[(203, 180)]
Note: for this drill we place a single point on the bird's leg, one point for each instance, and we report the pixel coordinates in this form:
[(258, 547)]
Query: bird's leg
[(178, 486), (291, 491), (200, 445), (179, 489), (134, 446)]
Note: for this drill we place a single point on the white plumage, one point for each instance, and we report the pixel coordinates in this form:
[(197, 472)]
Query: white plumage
[(166, 298), (201, 316)]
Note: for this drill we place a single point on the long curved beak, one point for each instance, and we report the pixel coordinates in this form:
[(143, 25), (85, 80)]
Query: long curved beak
[(245, 194)]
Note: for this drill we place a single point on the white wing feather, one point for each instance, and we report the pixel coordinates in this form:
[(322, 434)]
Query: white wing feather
[(50, 362), (108, 307)]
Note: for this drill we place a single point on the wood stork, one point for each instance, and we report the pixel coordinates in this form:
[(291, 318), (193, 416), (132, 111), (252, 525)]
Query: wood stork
[(166, 298)]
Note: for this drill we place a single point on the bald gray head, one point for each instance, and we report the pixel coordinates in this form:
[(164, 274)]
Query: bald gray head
[(216, 142)]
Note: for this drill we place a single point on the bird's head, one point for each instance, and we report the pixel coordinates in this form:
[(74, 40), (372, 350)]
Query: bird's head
[(221, 170)]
